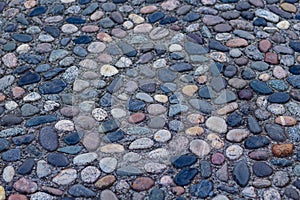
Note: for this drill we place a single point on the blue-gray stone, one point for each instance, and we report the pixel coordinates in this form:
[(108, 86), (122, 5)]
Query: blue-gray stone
[(24, 38), (39, 10), (79, 190), (184, 161), (185, 176), (23, 139), (73, 150), (84, 39), (181, 67), (58, 160), (262, 169), (156, 194), (90, 9), (256, 141), (106, 23), (135, 105), (106, 100), (31, 58), (72, 138), (166, 75), (35, 121), (203, 189), (11, 155), (195, 49), (279, 97), (29, 78), (278, 85), (275, 132), (281, 162), (114, 136), (241, 173), (295, 45), (156, 16), (253, 125), (294, 81), (176, 109), (80, 51), (295, 69), (52, 73), (48, 138), (129, 171), (52, 87), (127, 49), (260, 87), (201, 105), (294, 134), (109, 126), (52, 30), (4, 144), (190, 17), (75, 20), (26, 167)]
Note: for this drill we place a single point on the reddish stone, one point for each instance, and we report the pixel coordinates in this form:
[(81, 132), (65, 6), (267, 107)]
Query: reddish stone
[(2, 97), (44, 48), (136, 118), (282, 150), (90, 28), (264, 45), (241, 61), (142, 184), (175, 27), (52, 190), (237, 42), (217, 158), (69, 111), (105, 182), (178, 190), (259, 155), (271, 58), (148, 9), (18, 92), (118, 33), (285, 120), (25, 186), (17, 197)]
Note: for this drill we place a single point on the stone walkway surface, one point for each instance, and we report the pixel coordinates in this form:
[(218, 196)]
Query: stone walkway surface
[(149, 99)]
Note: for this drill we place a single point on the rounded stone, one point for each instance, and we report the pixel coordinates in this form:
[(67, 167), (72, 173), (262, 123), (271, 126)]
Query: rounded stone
[(108, 164), (234, 152), (142, 184), (216, 124), (162, 136), (200, 148), (90, 174)]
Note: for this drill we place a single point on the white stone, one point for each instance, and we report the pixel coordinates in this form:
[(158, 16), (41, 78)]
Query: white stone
[(11, 105), (123, 62), (154, 168), (67, 1), (132, 157), (112, 148), (283, 25), (108, 70), (43, 169), (160, 63), (65, 125), (90, 174), (108, 164), (128, 25), (175, 47), (162, 136), (142, 143), (267, 15), (136, 18), (271, 194), (233, 152), (33, 96), (23, 48), (8, 174), (220, 197), (99, 114), (65, 177), (96, 47), (85, 158), (199, 147), (159, 154), (215, 141), (80, 85), (46, 38), (249, 192), (69, 28), (41, 196), (216, 124), (50, 105)]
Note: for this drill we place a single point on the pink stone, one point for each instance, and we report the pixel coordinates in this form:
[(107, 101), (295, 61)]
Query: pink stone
[(217, 158), (279, 72), (90, 28), (10, 60)]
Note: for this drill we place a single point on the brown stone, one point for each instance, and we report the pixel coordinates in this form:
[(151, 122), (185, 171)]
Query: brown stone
[(259, 155), (118, 33), (142, 184), (148, 9), (195, 131), (282, 150), (105, 182), (90, 28), (136, 118), (286, 120), (288, 7), (18, 92), (178, 190), (237, 42), (170, 4), (189, 90), (271, 58), (104, 37), (202, 79), (52, 190), (25, 186), (17, 197), (217, 158), (196, 118), (264, 45), (2, 97)]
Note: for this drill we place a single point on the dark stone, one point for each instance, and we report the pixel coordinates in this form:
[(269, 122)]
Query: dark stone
[(75, 20), (57, 9), (127, 49), (181, 67), (216, 45), (201, 105), (291, 193), (24, 38), (119, 1), (216, 69), (23, 139), (84, 39), (11, 155), (297, 184), (279, 97), (43, 119), (114, 136), (275, 9), (90, 9), (184, 161), (295, 45), (135, 105), (26, 167), (39, 10), (261, 169), (83, 2), (57, 160), (195, 38), (52, 30), (106, 100), (256, 141), (205, 169), (228, 189), (80, 51), (109, 7), (248, 74), (242, 5), (109, 126), (160, 49), (106, 23), (115, 85), (32, 58), (2, 6), (281, 162), (253, 125), (72, 138), (10, 120), (166, 75), (195, 49), (48, 138), (230, 71), (52, 87), (203, 189), (260, 22), (245, 94), (207, 92), (241, 173), (218, 83), (260, 87), (156, 194), (185, 176), (79, 190), (234, 119), (190, 17), (248, 15), (168, 20), (22, 69), (10, 27), (275, 132), (117, 17), (295, 69), (29, 78), (52, 73), (4, 144), (148, 87)]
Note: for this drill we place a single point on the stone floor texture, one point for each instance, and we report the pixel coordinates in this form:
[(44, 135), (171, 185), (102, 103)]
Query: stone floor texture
[(149, 99)]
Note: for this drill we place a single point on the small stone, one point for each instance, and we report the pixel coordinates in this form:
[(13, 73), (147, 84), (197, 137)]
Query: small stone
[(234, 152), (237, 135), (142, 184), (90, 174), (281, 179), (271, 194), (8, 174), (65, 177), (25, 186), (200, 147), (216, 124), (162, 136), (108, 70), (262, 169), (108, 164), (105, 182), (85, 158), (10, 60)]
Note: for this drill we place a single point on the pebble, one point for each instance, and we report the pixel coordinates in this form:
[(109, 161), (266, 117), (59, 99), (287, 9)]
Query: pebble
[(24, 185), (200, 147), (142, 184), (65, 177), (216, 124)]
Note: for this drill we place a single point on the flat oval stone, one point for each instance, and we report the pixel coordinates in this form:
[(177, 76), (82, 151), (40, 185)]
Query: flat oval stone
[(237, 135), (260, 87), (142, 184), (48, 138), (184, 161), (255, 142), (262, 169), (279, 97), (25, 185), (185, 176), (75, 20), (35, 121), (24, 38), (37, 11), (282, 150), (26, 167), (79, 190), (241, 173), (29, 78), (52, 87), (58, 160)]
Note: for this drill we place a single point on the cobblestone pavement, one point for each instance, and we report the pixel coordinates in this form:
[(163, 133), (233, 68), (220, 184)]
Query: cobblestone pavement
[(149, 99)]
